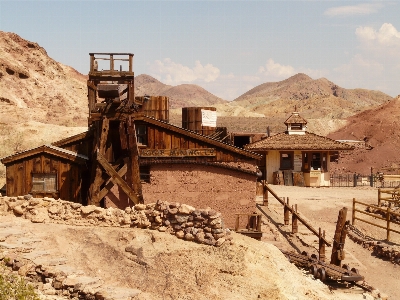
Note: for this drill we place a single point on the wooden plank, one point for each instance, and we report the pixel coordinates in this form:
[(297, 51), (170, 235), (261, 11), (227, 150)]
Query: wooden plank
[(133, 172), (117, 179), (100, 139), (109, 184)]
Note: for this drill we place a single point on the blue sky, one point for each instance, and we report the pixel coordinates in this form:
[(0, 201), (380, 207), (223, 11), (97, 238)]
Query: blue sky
[(227, 47)]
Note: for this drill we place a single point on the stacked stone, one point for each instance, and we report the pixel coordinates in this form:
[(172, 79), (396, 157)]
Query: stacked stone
[(203, 226), (50, 283)]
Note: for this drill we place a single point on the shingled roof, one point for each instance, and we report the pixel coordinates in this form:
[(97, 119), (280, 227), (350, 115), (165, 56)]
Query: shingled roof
[(295, 118), (307, 141)]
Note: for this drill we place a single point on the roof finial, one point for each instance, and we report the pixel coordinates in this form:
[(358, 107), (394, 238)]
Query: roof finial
[(295, 108)]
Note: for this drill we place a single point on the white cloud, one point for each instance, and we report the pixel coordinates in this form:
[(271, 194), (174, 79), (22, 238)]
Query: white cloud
[(351, 10), (275, 70), (387, 35), (173, 73)]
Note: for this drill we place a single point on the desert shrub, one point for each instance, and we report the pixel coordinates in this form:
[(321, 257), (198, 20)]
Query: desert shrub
[(13, 287)]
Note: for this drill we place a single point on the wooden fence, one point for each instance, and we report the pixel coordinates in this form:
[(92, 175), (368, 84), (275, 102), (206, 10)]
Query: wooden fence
[(394, 197), (387, 212)]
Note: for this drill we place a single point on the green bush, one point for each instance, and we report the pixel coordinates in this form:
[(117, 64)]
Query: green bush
[(15, 288)]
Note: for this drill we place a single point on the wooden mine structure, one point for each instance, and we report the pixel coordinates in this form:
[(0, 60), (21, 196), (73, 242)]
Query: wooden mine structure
[(112, 106)]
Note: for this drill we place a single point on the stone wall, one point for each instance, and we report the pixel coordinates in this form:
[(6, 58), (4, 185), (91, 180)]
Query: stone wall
[(184, 221)]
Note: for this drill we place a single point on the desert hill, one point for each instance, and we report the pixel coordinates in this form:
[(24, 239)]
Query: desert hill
[(183, 95), (378, 127), (318, 98), (34, 87), (41, 100)]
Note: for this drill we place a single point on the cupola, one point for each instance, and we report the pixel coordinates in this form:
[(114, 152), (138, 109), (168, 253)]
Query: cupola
[(295, 124)]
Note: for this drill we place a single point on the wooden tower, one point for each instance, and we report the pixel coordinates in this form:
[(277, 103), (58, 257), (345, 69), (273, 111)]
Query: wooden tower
[(112, 108)]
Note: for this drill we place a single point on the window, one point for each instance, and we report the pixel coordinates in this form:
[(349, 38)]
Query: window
[(141, 133), (44, 182), (316, 161), (296, 126), (286, 160)]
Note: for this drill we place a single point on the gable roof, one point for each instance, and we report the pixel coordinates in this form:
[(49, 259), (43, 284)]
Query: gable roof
[(203, 138), (49, 149), (307, 141)]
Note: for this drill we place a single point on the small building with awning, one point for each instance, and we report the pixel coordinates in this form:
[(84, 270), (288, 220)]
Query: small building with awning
[(296, 156)]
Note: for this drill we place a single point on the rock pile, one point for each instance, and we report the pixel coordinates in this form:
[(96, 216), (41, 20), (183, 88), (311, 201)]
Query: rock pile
[(53, 284), (378, 248), (203, 226)]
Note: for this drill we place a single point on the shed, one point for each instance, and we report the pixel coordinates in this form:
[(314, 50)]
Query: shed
[(45, 171)]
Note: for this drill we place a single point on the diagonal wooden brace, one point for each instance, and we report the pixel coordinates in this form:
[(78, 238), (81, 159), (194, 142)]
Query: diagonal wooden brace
[(117, 179), (109, 184)]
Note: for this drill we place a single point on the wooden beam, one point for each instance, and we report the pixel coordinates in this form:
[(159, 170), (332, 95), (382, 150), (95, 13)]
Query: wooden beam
[(109, 184), (133, 173), (339, 238), (99, 145), (117, 179)]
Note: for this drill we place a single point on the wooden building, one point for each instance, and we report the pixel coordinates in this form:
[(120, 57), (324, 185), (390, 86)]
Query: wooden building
[(131, 154), (46, 171), (298, 157)]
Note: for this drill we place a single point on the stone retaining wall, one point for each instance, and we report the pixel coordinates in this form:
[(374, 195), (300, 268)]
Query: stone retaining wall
[(203, 226)]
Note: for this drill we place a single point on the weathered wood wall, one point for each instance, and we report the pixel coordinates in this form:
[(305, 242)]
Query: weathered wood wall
[(19, 177)]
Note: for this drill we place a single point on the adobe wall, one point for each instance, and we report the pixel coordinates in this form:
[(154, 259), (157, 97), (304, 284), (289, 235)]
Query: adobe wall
[(225, 190)]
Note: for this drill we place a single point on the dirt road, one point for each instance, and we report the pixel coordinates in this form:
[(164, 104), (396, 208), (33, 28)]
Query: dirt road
[(321, 207)]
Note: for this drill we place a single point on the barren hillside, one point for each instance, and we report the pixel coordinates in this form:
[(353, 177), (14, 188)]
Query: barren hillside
[(318, 98), (378, 127)]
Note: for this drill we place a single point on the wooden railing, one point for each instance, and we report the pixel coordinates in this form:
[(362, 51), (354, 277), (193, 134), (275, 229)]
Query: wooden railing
[(295, 215), (387, 212), (393, 198)]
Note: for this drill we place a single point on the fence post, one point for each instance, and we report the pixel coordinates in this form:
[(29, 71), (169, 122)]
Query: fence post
[(379, 197), (371, 179), (295, 227), (339, 238), (259, 223), (286, 212), (265, 193), (388, 224), (354, 180), (321, 248), (353, 214)]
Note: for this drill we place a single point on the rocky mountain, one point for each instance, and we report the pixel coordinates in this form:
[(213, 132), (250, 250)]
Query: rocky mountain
[(316, 98), (183, 95), (34, 87), (41, 100)]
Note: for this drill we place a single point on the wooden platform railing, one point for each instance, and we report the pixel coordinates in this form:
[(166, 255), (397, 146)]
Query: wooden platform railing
[(388, 213)]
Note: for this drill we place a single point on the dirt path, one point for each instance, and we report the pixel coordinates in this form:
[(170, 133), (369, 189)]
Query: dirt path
[(321, 207)]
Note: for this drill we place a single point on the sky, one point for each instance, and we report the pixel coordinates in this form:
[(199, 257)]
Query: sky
[(226, 47)]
